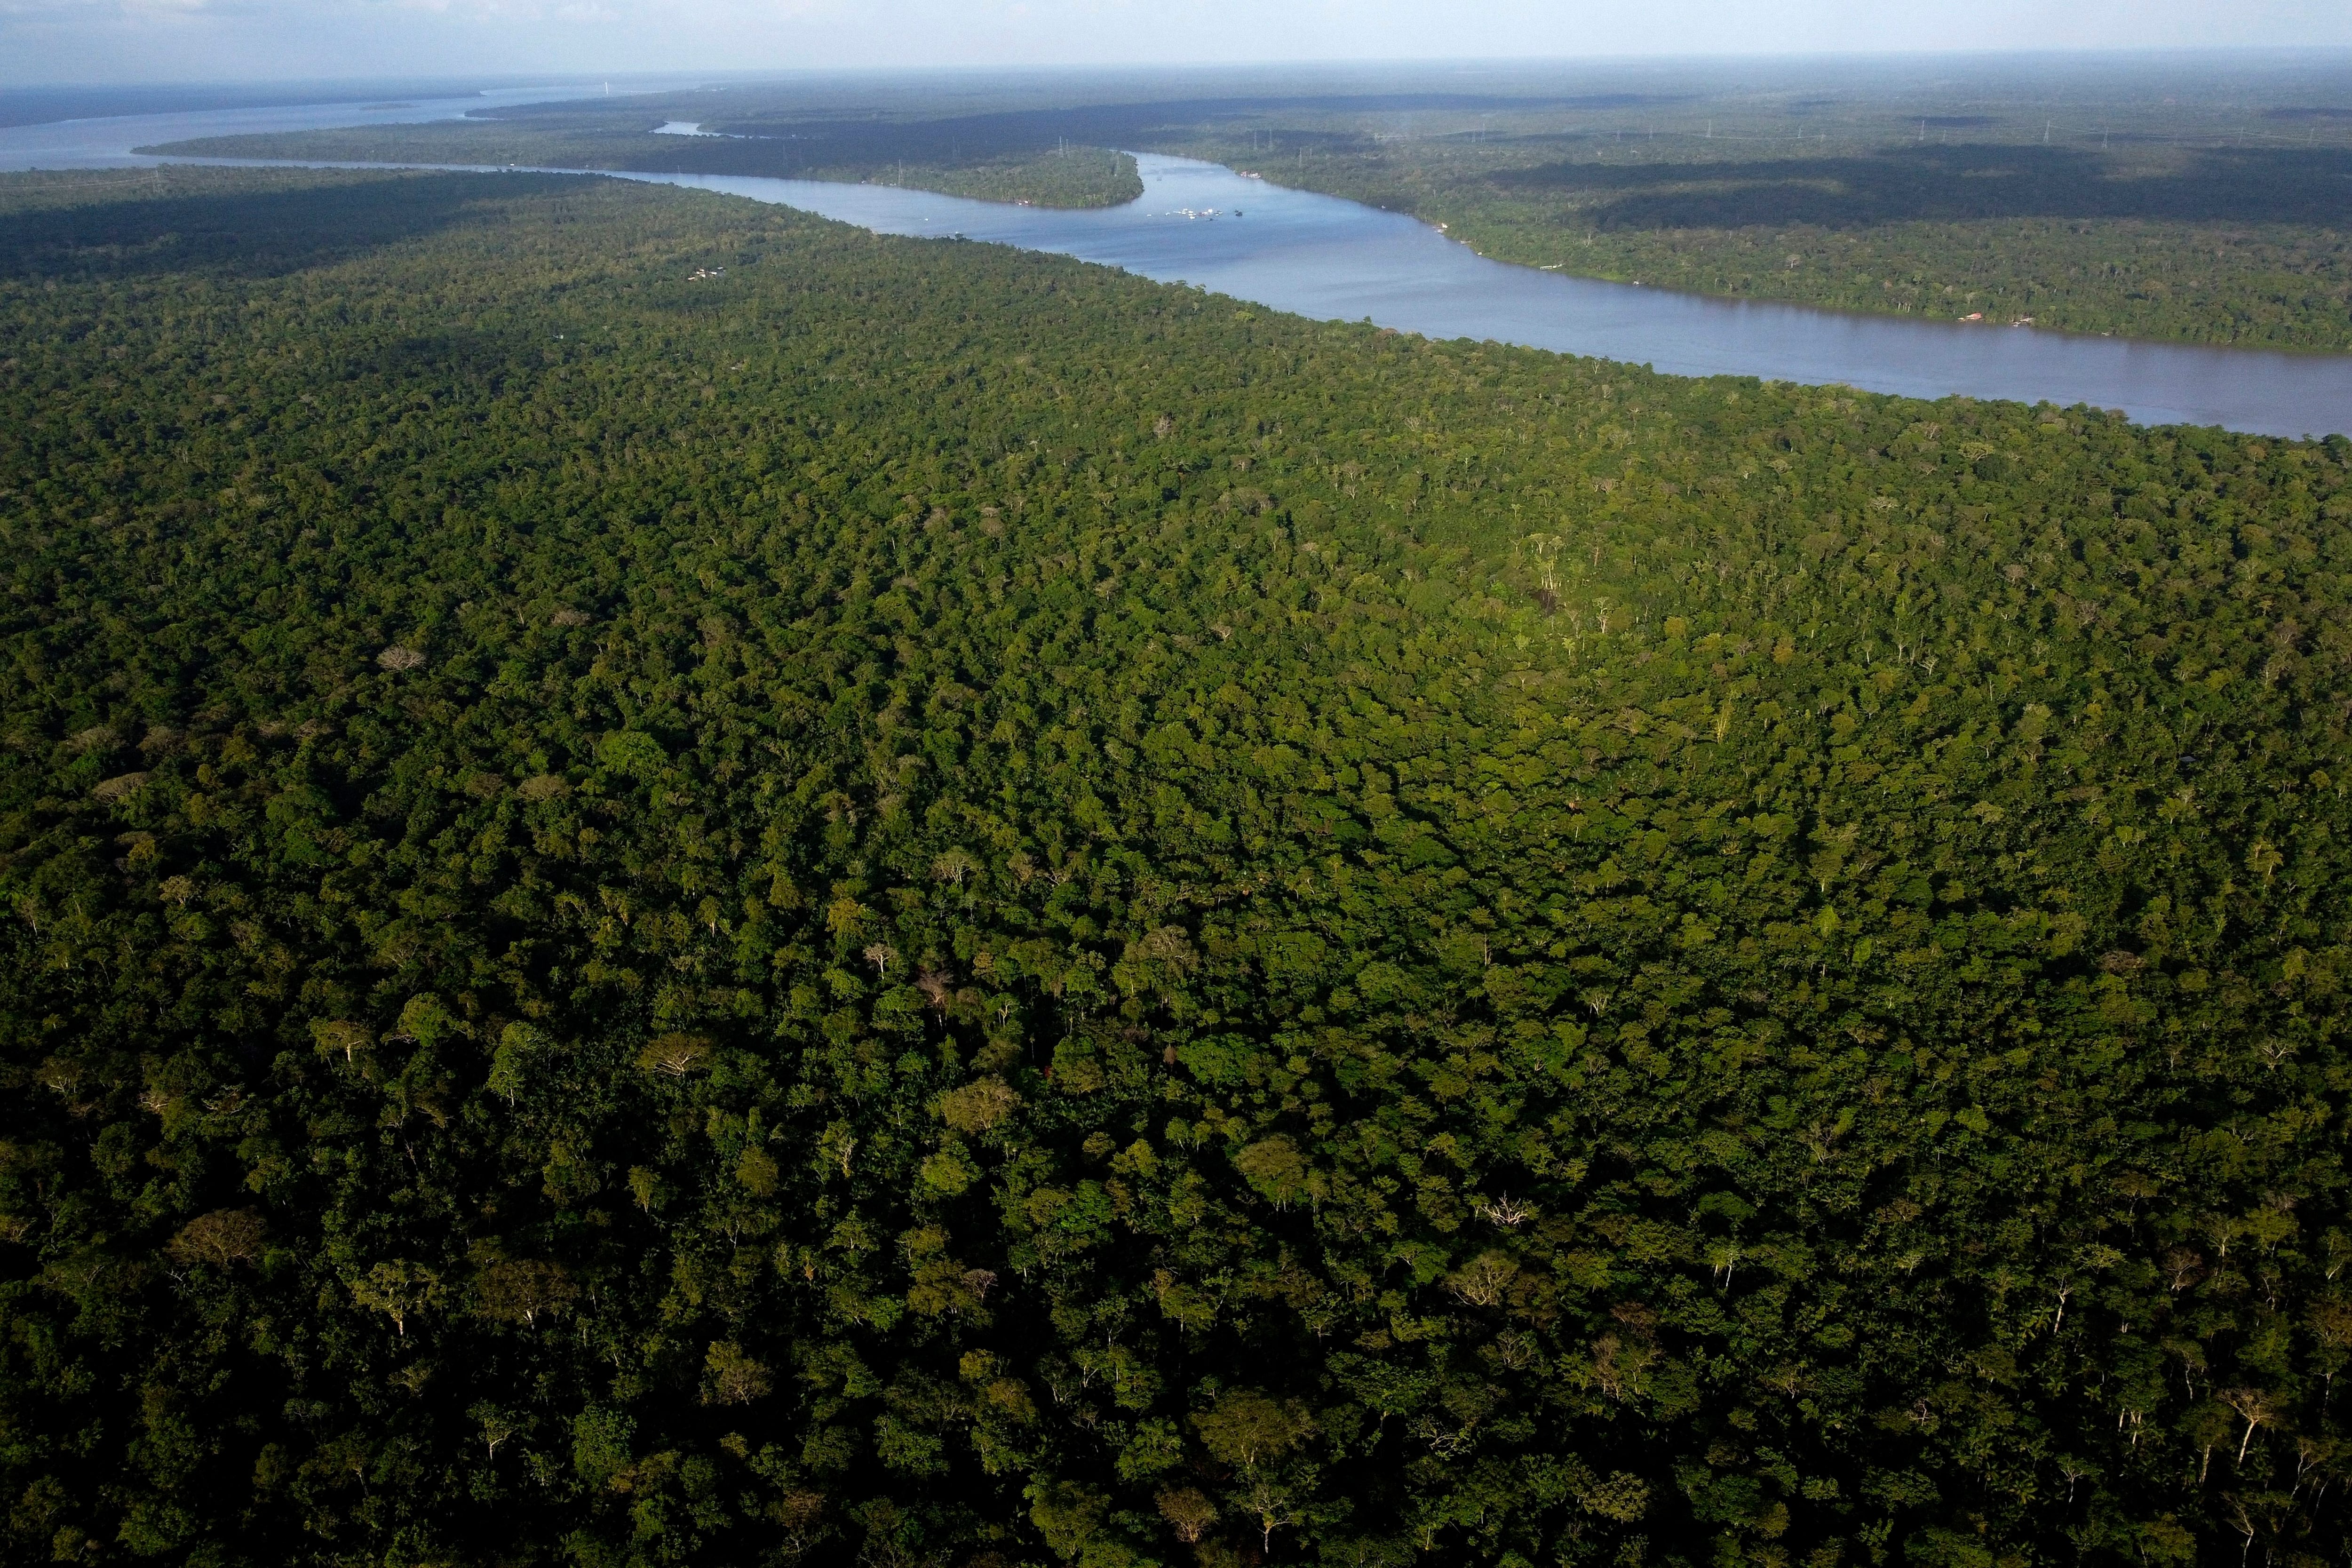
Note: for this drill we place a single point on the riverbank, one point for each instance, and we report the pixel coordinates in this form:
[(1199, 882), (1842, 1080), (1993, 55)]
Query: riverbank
[(1328, 257), (2244, 246), (1331, 259)]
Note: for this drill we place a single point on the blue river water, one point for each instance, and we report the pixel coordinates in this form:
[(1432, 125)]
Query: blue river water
[(1332, 259)]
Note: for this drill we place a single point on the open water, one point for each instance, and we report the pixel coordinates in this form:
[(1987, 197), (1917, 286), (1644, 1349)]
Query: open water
[(106, 143), (1322, 257)]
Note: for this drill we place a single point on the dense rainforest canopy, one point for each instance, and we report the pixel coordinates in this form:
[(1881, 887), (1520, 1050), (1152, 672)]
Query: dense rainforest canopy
[(682, 886)]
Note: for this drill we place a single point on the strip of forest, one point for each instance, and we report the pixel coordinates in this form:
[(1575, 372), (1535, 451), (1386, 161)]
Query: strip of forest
[(976, 165)]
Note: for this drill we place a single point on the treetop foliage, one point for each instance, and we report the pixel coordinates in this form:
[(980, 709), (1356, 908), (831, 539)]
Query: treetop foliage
[(923, 904)]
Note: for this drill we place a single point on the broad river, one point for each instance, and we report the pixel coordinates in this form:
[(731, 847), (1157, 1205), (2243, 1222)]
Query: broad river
[(1322, 257)]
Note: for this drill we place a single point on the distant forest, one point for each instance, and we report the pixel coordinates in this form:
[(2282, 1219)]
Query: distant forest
[(2149, 202), (2248, 244), (681, 885)]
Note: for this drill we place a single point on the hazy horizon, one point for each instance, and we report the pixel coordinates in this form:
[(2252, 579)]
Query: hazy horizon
[(86, 42)]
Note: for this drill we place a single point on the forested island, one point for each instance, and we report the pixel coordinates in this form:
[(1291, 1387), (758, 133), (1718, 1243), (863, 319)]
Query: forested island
[(565, 136), (687, 887)]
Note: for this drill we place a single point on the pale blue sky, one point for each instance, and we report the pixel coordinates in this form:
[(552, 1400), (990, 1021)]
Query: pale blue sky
[(56, 41)]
